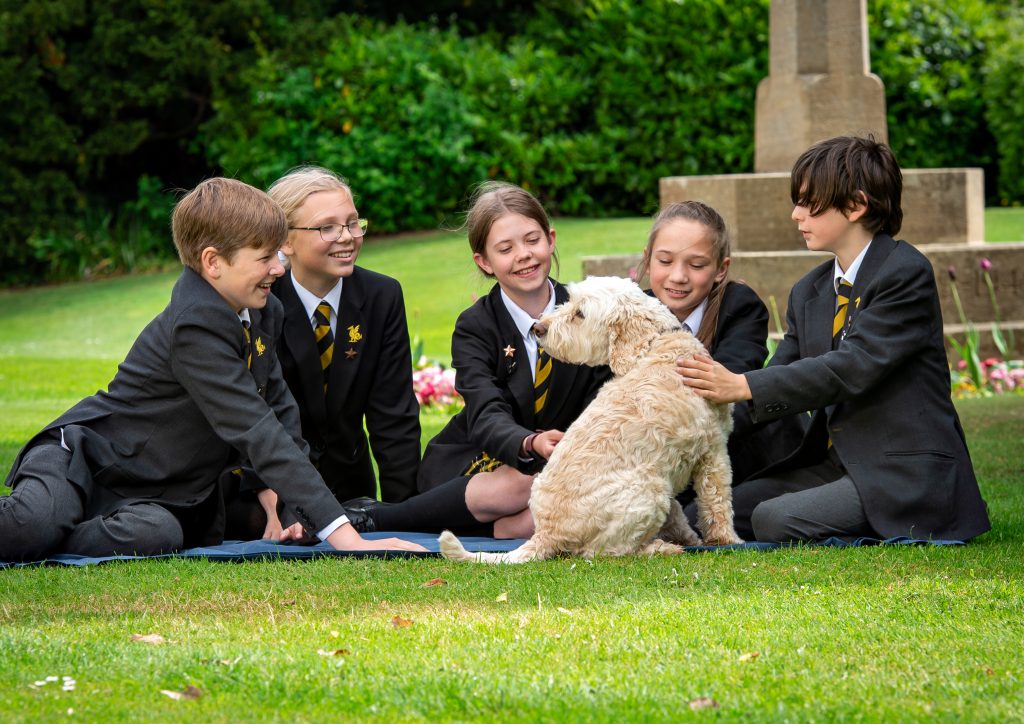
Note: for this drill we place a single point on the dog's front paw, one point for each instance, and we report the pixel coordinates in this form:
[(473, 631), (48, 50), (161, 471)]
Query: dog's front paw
[(722, 538)]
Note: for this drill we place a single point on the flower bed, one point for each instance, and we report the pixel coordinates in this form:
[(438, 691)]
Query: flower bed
[(434, 386)]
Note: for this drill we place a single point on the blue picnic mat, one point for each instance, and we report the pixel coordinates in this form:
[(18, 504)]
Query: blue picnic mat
[(259, 550)]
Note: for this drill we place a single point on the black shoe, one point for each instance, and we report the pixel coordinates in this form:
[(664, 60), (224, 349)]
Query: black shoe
[(360, 513)]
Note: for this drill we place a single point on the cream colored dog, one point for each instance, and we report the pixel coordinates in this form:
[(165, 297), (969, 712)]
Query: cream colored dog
[(610, 485)]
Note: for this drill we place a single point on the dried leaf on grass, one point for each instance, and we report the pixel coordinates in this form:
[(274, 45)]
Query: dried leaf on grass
[(149, 639), (704, 702), (566, 611), (502, 597), (335, 652), (189, 692), (435, 582), (399, 622), (750, 656)]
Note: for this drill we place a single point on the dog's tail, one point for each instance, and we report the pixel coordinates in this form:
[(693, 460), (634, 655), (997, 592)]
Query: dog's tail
[(453, 550)]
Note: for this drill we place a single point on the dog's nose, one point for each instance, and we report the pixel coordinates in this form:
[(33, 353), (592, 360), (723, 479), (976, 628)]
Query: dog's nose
[(539, 329)]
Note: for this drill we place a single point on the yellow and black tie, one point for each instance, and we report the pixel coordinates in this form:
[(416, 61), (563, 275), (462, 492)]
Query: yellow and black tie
[(324, 338), (541, 380), (842, 304), (248, 344)]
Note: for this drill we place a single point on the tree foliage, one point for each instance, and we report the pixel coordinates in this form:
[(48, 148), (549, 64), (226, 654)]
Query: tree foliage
[(106, 107)]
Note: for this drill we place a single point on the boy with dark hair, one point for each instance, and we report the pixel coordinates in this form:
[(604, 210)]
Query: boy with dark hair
[(135, 469), (885, 454)]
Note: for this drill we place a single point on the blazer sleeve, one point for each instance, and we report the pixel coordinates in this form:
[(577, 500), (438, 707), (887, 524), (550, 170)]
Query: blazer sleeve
[(740, 342), (392, 413), (895, 320), (491, 421), (205, 361)]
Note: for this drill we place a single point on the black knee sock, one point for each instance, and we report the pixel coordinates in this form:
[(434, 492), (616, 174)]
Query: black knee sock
[(430, 512)]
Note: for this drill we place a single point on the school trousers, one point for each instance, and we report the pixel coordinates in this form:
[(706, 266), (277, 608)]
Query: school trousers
[(45, 513), (807, 504)]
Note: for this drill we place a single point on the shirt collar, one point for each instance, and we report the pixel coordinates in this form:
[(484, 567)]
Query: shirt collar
[(310, 301), (850, 274), (244, 318), (696, 317), (523, 321)]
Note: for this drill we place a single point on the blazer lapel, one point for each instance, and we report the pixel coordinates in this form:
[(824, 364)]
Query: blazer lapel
[(820, 312), (349, 341), (261, 344), (880, 249), (562, 375), (514, 369), (298, 332)]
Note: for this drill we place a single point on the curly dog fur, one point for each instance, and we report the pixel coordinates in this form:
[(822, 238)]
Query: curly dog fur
[(610, 485)]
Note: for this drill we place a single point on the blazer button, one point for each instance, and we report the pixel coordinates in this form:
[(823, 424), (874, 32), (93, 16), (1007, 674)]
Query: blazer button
[(261, 389)]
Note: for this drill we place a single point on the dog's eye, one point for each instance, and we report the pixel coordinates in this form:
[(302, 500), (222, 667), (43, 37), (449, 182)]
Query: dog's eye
[(578, 314)]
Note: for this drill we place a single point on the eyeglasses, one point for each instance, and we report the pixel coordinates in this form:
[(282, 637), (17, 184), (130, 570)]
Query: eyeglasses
[(332, 232)]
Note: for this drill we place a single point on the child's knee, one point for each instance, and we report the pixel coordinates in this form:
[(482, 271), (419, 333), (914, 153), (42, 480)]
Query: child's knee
[(143, 529), (771, 522)]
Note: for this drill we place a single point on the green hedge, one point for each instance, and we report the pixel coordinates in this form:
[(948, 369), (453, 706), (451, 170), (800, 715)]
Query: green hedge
[(1004, 105), (589, 106), (105, 106)]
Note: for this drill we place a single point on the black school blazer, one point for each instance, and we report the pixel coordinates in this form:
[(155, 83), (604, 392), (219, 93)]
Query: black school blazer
[(492, 373), (183, 407), (370, 378), (883, 395)]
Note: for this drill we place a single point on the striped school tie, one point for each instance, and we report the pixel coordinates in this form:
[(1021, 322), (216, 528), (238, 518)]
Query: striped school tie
[(541, 380), (843, 302), (248, 343), (324, 338)]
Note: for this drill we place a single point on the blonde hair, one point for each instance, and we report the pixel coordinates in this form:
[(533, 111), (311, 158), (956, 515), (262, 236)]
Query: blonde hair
[(228, 215), (493, 199), (721, 246), (291, 190)]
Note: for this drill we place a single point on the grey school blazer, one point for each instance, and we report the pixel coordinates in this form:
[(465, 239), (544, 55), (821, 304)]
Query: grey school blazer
[(183, 407), (883, 395)]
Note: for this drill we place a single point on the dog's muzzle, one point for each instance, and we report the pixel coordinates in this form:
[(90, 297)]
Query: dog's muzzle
[(539, 329)]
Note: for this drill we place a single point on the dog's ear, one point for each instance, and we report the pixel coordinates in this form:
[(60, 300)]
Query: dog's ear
[(631, 332)]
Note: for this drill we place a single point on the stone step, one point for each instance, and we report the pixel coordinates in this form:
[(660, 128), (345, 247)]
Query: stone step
[(940, 206)]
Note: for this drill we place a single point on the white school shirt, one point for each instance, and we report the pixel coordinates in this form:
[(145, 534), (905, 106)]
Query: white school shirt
[(851, 274), (692, 323), (311, 301), (524, 323)]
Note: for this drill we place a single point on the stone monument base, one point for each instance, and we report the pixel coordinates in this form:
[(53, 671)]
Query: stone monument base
[(940, 206)]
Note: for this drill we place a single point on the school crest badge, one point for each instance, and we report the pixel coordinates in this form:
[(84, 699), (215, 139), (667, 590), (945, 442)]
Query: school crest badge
[(354, 335)]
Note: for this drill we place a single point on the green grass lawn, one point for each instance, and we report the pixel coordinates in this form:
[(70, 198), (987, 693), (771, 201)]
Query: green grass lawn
[(1004, 224), (802, 634)]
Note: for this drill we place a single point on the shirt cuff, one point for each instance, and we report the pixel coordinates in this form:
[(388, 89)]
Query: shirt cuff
[(331, 527)]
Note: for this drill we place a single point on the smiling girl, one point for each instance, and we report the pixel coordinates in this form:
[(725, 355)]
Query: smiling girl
[(477, 472), (687, 260), (344, 349)]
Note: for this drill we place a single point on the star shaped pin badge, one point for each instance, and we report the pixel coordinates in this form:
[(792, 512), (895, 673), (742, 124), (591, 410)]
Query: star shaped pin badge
[(510, 351), (350, 353)]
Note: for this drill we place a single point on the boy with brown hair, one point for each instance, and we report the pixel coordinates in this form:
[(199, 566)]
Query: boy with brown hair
[(136, 469), (885, 454)]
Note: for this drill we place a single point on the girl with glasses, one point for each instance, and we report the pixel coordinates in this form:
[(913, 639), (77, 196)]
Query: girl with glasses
[(344, 349)]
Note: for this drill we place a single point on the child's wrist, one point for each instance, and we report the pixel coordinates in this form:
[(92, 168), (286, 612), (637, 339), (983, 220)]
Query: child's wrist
[(527, 446)]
